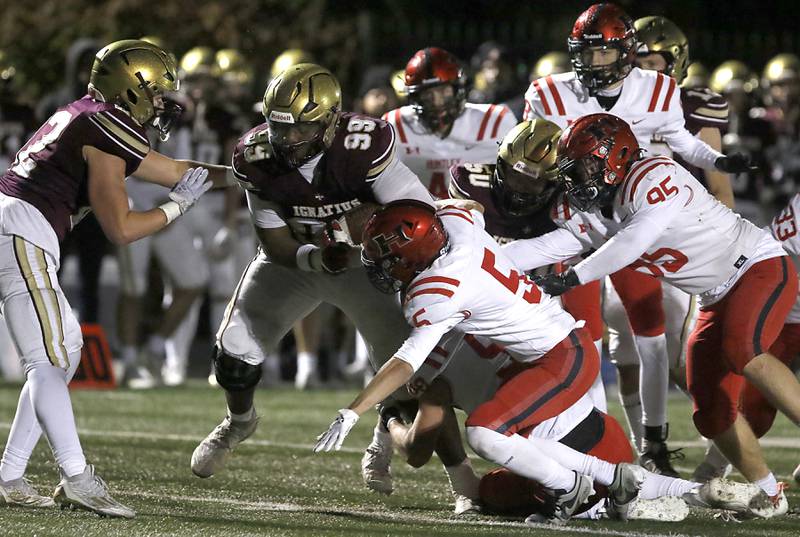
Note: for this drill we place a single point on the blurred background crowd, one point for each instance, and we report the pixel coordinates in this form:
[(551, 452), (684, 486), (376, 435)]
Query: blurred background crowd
[(151, 304)]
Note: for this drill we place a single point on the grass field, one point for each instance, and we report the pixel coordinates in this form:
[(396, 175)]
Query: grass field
[(141, 442)]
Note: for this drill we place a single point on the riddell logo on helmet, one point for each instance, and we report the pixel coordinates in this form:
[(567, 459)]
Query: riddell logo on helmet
[(593, 36), (281, 117)]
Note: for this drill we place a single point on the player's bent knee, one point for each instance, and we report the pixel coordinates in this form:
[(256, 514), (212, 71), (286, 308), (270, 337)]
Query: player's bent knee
[(233, 374)]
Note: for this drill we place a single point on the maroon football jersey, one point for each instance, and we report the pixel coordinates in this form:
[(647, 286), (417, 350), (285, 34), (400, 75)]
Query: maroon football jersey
[(49, 172), (471, 181), (362, 148), (702, 108)]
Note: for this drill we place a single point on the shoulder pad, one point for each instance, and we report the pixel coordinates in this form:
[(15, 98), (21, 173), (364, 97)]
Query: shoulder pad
[(257, 147)]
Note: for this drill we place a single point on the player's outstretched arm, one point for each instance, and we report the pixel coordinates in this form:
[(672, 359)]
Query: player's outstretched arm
[(719, 183), (162, 170), (554, 247), (109, 199)]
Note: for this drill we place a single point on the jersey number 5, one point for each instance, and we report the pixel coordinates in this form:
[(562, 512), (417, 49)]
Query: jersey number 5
[(511, 282), (46, 135)]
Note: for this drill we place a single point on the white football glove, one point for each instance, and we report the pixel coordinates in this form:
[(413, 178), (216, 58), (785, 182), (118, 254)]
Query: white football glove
[(332, 438), (189, 189)]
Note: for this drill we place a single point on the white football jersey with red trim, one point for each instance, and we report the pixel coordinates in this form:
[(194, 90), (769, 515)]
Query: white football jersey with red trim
[(474, 138), (664, 223), (475, 289), (477, 369), (785, 228), (650, 102)]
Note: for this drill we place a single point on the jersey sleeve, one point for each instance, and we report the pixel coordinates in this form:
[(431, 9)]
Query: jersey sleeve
[(693, 150), (114, 132), (251, 148), (455, 190), (432, 312), (702, 108), (656, 198), (554, 247), (398, 182), (498, 120), (440, 357), (533, 102)]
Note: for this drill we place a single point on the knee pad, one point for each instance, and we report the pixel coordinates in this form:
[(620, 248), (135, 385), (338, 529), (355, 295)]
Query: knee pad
[(233, 374)]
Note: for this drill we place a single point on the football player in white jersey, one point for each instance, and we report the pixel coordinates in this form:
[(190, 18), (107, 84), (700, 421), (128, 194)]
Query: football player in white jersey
[(438, 128), (602, 48), (651, 212), (453, 276)]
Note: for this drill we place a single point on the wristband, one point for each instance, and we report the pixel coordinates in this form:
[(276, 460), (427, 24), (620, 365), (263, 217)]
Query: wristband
[(171, 210), (303, 257)]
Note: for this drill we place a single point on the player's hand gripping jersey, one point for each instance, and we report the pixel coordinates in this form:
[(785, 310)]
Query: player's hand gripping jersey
[(473, 138), (50, 173), (785, 228), (650, 102), (663, 222), (475, 289), (472, 181), (359, 166)]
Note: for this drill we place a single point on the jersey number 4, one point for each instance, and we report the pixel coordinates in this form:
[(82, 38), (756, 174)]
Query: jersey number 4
[(511, 282)]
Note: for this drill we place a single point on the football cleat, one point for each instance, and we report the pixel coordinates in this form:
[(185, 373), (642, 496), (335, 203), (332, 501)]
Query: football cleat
[(566, 502), (466, 506), (376, 467), (663, 509), (139, 377), (763, 506), (20, 492), (212, 453), (745, 499), (658, 459), (88, 491), (705, 472), (624, 490)]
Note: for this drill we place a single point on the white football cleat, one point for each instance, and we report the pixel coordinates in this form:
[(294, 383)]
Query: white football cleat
[(20, 492), (466, 506), (376, 467), (138, 377), (745, 499), (88, 491), (210, 455), (663, 509), (764, 506), (624, 490), (567, 502)]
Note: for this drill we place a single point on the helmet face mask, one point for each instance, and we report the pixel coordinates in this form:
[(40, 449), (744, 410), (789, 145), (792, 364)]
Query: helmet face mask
[(517, 193), (584, 179), (436, 88), (437, 106), (380, 275), (297, 143)]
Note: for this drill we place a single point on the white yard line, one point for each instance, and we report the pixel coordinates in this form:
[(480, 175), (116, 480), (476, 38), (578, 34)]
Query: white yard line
[(384, 516)]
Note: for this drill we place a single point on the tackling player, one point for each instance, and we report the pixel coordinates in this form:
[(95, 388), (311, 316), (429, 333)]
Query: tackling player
[(651, 212), (438, 128), (453, 276), (306, 166), (76, 162)]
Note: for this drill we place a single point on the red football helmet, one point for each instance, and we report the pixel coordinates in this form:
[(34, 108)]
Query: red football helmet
[(594, 155), (401, 240), (430, 68), (599, 30)]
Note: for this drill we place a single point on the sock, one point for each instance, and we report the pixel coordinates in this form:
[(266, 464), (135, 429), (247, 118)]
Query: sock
[(598, 393), (51, 402), (768, 484), (521, 457), (306, 362), (653, 378), (632, 405), (128, 353), (380, 435), (22, 438), (462, 479), (599, 470), (714, 456), (246, 416), (656, 486)]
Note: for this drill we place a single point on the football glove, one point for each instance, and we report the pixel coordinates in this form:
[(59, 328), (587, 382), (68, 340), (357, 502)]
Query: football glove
[(336, 258), (188, 190), (734, 163), (558, 284), (332, 438)]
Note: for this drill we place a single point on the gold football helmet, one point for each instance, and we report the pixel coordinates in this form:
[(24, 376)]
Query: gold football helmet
[(731, 76), (781, 68), (231, 66), (551, 63), (134, 74), (289, 58), (302, 107), (198, 61), (661, 35), (696, 76), (526, 174)]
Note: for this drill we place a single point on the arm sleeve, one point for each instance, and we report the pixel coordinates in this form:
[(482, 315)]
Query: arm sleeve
[(693, 150), (264, 214), (423, 340), (532, 104), (397, 182), (553, 247), (645, 226)]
